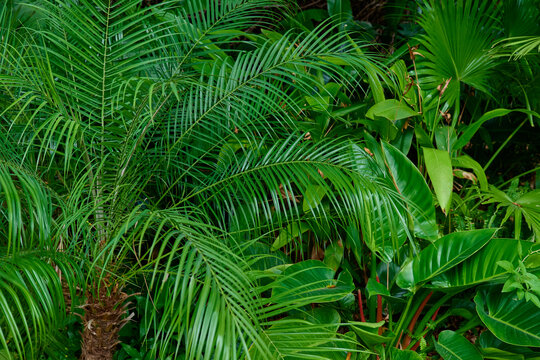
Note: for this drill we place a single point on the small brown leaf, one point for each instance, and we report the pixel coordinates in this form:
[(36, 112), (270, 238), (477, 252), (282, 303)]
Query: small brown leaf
[(369, 152), (447, 116), (443, 86)]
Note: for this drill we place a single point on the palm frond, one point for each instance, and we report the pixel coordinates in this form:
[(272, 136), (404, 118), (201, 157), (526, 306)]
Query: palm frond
[(458, 35), (32, 265)]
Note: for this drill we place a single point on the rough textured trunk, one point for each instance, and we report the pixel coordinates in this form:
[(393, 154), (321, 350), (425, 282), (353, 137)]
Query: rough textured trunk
[(104, 316)]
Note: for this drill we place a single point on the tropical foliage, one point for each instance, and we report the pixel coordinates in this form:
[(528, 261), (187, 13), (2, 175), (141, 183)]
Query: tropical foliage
[(261, 179)]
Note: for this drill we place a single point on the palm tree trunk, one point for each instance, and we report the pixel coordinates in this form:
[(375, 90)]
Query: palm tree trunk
[(105, 314)]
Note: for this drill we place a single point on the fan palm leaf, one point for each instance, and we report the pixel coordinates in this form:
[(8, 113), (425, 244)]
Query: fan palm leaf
[(458, 35)]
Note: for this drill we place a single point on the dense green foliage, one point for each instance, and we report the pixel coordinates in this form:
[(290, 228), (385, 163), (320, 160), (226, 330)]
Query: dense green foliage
[(254, 179)]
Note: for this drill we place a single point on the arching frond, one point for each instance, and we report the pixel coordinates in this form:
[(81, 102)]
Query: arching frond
[(34, 272)]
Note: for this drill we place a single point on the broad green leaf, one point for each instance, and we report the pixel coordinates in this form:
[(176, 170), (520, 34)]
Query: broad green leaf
[(321, 315), (387, 221), (422, 137), (368, 333), (403, 139), (318, 103), (305, 339), (452, 346), (498, 354), (311, 281), (333, 255), (391, 109), (397, 354), (439, 167), (513, 321), (382, 126), (313, 196), (412, 186), (482, 266), (340, 8), (493, 348), (441, 256), (291, 232), (376, 288), (445, 137), (533, 261)]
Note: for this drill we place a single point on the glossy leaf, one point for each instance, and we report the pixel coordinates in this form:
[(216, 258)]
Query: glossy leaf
[(412, 186), (311, 281), (333, 255), (441, 256), (452, 346), (391, 109), (313, 196), (368, 333), (340, 8), (482, 266), (305, 339), (498, 354), (288, 234), (397, 354), (376, 288), (511, 320), (389, 221), (439, 167)]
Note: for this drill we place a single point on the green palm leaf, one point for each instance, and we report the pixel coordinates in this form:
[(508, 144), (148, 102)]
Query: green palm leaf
[(457, 39)]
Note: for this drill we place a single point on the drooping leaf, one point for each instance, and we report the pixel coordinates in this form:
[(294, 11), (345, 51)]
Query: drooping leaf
[(333, 255), (368, 333), (439, 167), (312, 197), (498, 354), (374, 287), (511, 320), (305, 339), (482, 266), (288, 234), (441, 256), (493, 348), (452, 346), (340, 9), (311, 281), (397, 354), (391, 109), (412, 186)]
